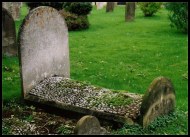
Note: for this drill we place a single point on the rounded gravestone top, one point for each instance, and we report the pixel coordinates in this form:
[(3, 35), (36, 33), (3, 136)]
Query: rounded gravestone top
[(89, 125), (43, 47), (158, 100)]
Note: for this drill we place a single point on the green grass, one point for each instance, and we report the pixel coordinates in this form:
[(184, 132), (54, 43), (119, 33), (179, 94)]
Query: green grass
[(121, 55), (172, 124), (11, 87), (128, 56), (23, 12)]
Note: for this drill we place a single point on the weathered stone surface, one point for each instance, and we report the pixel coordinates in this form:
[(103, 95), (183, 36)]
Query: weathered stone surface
[(9, 46), (13, 8), (43, 47), (89, 125), (158, 100), (132, 95)]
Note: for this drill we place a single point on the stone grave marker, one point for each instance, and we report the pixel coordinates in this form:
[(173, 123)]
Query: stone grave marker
[(43, 47), (13, 8), (158, 100), (89, 125), (9, 46)]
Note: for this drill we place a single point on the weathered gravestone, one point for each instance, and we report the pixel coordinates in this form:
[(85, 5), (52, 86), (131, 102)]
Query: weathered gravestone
[(9, 46), (158, 100), (45, 71), (89, 125), (43, 47), (13, 8)]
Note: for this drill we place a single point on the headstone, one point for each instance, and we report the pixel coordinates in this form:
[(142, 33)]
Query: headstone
[(13, 8), (100, 5), (43, 47), (158, 100), (5, 5), (9, 46), (89, 125)]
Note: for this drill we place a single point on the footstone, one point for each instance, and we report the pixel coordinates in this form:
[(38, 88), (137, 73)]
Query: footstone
[(158, 100), (9, 46), (43, 47), (89, 125)]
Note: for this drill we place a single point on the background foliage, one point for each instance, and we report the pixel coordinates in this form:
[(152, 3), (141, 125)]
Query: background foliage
[(149, 8), (178, 15)]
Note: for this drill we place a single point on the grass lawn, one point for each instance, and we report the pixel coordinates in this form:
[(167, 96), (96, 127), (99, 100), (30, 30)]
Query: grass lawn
[(128, 56), (121, 55)]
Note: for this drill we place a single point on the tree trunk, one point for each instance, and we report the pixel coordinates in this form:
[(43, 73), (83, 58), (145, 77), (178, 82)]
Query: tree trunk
[(110, 7), (130, 11)]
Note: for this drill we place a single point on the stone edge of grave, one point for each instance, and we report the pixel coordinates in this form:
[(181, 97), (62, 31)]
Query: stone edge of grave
[(81, 110)]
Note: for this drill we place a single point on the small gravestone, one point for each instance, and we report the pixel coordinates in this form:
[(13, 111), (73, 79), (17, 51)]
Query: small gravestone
[(101, 5), (9, 46), (89, 125), (43, 47), (158, 100)]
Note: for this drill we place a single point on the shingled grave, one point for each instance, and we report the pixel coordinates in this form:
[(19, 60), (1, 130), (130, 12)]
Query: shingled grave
[(45, 77)]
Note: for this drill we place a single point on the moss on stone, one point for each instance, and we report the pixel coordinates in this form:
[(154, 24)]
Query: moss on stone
[(117, 100)]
